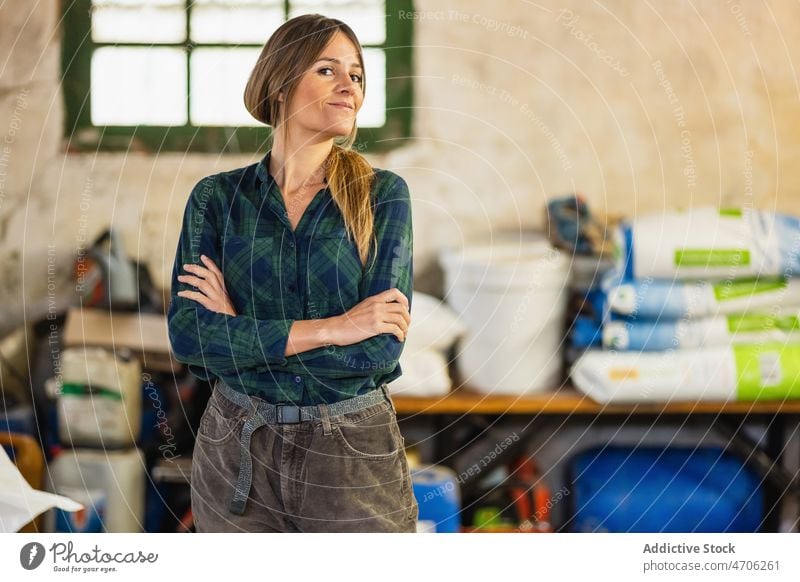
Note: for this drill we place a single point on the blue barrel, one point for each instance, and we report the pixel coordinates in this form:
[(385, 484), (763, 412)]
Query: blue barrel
[(653, 489)]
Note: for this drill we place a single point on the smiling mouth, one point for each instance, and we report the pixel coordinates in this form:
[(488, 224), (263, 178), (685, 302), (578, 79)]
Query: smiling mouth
[(345, 107)]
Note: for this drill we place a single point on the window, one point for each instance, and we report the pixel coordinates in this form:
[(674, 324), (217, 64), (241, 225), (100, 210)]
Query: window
[(169, 75)]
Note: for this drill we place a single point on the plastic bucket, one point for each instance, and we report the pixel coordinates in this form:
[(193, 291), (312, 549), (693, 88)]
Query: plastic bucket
[(112, 481), (513, 299), (100, 400)]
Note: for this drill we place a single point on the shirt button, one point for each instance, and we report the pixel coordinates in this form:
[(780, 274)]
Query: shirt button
[(291, 244), (298, 379)]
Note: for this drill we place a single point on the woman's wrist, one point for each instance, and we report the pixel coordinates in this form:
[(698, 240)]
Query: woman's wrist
[(327, 330)]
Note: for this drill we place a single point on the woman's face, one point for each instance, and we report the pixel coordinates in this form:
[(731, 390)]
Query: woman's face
[(329, 94)]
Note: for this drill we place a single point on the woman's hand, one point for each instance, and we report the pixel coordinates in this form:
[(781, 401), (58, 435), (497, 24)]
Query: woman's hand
[(209, 280), (386, 312)]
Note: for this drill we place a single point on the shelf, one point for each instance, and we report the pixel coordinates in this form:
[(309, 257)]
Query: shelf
[(567, 400)]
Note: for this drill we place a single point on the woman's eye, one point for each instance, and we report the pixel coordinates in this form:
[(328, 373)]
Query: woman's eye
[(357, 77)]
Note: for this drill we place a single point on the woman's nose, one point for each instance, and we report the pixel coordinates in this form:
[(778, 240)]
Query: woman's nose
[(348, 85)]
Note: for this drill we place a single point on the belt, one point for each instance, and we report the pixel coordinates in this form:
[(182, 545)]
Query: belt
[(264, 413)]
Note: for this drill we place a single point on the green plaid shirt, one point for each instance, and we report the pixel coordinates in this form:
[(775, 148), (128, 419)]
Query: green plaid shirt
[(275, 276)]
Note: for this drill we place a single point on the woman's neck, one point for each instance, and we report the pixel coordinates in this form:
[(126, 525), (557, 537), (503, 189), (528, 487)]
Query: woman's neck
[(295, 168)]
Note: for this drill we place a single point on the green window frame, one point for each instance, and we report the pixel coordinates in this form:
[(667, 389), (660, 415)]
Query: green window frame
[(82, 136)]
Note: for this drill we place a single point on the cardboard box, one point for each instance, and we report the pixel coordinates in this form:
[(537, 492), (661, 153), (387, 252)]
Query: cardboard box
[(145, 334)]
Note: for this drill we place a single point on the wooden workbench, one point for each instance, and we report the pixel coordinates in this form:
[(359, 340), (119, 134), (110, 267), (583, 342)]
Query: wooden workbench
[(464, 405)]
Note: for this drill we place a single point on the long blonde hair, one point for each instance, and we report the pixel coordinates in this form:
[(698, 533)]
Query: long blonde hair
[(286, 56)]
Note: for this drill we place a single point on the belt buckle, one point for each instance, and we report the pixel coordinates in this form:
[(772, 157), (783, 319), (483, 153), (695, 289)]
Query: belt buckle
[(288, 413)]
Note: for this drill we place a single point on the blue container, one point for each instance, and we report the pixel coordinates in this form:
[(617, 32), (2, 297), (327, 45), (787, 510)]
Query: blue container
[(438, 497), (18, 419), (651, 489)]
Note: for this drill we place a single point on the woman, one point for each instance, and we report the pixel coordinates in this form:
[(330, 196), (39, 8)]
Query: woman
[(292, 291)]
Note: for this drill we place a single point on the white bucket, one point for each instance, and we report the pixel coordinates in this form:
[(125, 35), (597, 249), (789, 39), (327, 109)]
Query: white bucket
[(513, 299), (100, 399), (117, 474)]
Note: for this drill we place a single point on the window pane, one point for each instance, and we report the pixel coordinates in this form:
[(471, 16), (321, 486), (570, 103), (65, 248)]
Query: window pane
[(366, 17), (138, 86), (138, 20), (373, 110), (235, 21), (218, 77)]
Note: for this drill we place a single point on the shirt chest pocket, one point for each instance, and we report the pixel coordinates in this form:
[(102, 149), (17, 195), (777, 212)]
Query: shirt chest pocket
[(334, 270), (248, 271)]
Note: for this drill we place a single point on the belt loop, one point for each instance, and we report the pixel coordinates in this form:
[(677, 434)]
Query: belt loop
[(385, 388), (326, 419)]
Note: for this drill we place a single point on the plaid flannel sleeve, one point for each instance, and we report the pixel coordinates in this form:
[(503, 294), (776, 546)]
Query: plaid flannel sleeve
[(393, 267), (205, 340)]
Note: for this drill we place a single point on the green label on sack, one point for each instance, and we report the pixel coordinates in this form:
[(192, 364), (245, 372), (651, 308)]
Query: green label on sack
[(768, 371), (746, 288), (752, 322), (712, 257), (77, 389), (735, 212)]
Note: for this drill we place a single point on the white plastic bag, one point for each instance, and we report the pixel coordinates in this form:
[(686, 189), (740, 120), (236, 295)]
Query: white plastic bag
[(724, 330), (673, 299), (434, 324), (769, 371), (709, 243)]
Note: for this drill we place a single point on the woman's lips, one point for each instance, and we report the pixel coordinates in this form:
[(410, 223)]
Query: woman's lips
[(338, 106)]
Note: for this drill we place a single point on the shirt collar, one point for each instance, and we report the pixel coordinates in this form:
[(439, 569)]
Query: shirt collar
[(263, 168)]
